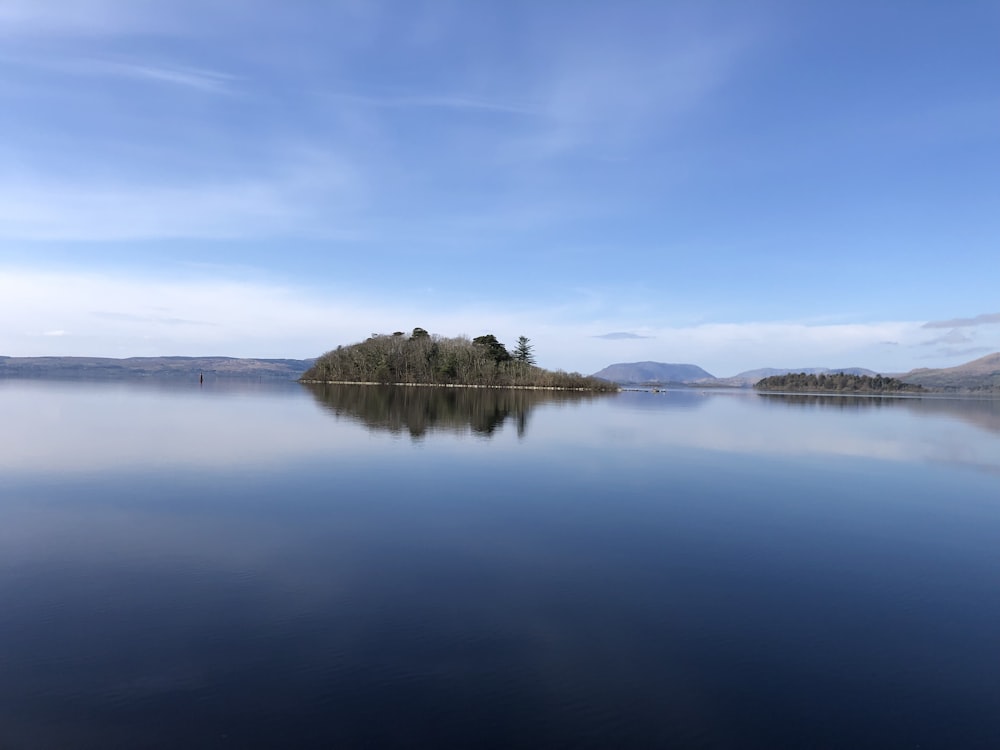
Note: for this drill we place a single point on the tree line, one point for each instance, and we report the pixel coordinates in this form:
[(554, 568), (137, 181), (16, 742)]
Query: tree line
[(423, 358), (836, 382)]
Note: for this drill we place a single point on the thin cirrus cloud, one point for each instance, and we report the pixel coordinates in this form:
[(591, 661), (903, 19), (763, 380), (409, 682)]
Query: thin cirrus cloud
[(597, 91), (317, 198), (455, 102), (211, 81), (201, 79), (54, 210)]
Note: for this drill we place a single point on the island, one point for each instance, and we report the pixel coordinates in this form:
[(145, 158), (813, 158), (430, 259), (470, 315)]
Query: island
[(425, 359), (836, 382)]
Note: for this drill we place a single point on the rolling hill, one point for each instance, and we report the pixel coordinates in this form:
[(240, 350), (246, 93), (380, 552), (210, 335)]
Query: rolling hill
[(979, 375)]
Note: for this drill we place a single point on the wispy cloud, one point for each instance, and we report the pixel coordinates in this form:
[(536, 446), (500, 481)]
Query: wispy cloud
[(47, 211), (214, 314), (952, 337), (952, 351), (152, 318), (304, 199), (956, 343), (978, 320), (201, 79), (620, 335), (596, 92), (470, 103)]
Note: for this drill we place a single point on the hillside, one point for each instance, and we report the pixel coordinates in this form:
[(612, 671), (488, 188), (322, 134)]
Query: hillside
[(106, 368), (658, 373), (749, 378), (652, 373), (980, 375)]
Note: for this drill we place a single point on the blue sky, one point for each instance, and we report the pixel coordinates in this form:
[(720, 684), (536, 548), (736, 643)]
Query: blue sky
[(735, 185)]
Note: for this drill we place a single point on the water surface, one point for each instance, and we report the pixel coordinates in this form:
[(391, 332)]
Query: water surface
[(271, 566)]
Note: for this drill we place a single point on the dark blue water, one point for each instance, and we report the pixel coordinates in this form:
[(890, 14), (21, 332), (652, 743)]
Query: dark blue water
[(280, 567)]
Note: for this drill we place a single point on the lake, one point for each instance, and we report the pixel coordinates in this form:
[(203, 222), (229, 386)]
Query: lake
[(271, 565)]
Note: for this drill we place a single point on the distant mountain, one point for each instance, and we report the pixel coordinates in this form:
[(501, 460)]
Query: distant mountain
[(652, 373), (106, 368), (981, 374), (750, 377)]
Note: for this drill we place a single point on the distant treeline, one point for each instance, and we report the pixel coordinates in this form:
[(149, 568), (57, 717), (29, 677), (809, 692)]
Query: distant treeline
[(422, 358), (836, 382)]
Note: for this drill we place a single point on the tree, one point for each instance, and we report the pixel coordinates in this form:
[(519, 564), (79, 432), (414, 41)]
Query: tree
[(524, 351), (435, 360), (497, 351)]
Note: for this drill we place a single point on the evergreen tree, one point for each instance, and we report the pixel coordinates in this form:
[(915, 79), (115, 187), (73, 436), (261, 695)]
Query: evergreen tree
[(496, 350), (524, 351)]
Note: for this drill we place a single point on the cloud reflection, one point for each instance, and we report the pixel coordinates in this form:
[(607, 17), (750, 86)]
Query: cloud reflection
[(946, 430), (66, 428)]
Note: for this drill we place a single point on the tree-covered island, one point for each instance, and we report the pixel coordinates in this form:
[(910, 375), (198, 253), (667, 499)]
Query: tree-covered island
[(425, 359), (835, 382)]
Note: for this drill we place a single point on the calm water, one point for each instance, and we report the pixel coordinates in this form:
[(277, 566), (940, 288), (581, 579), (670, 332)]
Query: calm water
[(274, 566)]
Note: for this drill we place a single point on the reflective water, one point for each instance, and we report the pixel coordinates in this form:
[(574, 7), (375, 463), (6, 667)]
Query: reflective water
[(273, 566)]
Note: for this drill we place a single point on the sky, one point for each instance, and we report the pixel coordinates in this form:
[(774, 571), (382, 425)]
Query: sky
[(729, 184)]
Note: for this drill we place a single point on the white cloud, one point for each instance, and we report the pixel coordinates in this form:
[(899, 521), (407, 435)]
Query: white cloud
[(120, 315)]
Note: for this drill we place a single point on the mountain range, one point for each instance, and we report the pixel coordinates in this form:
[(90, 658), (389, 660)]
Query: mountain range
[(191, 368), (981, 375)]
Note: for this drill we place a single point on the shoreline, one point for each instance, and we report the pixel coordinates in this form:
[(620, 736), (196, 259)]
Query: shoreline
[(460, 385)]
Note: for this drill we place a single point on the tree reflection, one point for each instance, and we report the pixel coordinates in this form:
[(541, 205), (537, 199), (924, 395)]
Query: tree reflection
[(980, 412), (419, 410)]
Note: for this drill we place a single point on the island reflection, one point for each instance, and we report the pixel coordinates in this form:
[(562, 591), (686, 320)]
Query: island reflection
[(982, 412), (419, 410)]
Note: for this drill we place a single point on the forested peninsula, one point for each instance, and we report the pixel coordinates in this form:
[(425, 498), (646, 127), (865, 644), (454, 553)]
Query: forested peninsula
[(425, 359), (835, 382)]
